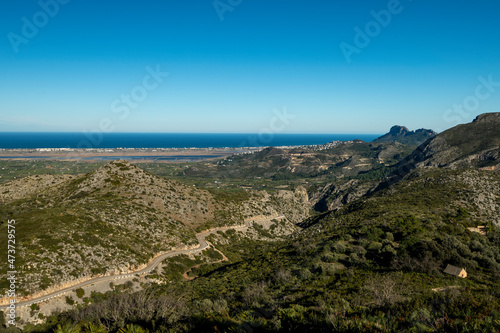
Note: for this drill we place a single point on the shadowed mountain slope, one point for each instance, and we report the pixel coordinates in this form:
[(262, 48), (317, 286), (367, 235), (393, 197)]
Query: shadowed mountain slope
[(401, 134), (472, 145)]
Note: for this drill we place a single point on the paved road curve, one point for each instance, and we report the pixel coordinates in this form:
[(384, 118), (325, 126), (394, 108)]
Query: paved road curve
[(151, 266)]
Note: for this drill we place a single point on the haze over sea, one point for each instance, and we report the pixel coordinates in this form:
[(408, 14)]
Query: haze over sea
[(167, 140)]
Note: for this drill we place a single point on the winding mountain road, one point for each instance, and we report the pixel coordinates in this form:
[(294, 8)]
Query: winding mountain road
[(201, 237), (189, 278)]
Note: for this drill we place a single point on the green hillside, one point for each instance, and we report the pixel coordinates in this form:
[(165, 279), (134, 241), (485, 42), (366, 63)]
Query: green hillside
[(370, 266), (375, 229), (114, 218)]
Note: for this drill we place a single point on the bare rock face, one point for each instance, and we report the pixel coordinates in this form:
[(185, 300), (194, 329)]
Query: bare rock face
[(398, 130), (402, 134), (333, 196), (294, 204), (484, 190)]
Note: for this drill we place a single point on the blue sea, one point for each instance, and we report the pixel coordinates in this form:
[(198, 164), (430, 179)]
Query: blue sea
[(167, 140)]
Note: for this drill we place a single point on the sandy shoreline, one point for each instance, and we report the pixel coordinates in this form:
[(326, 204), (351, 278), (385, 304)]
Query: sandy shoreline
[(142, 154)]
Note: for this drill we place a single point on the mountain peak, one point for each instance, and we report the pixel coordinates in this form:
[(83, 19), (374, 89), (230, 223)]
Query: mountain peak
[(475, 144), (115, 174), (398, 130), (402, 134), (120, 168), (487, 117)]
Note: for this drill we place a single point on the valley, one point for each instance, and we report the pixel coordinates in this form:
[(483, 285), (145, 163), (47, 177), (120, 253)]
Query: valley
[(346, 236)]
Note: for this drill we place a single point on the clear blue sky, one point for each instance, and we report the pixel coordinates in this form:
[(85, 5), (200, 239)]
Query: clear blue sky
[(229, 75)]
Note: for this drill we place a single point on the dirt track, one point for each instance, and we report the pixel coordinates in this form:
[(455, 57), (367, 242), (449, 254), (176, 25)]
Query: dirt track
[(189, 278)]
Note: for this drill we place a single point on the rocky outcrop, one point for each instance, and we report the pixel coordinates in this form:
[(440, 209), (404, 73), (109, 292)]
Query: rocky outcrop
[(484, 193), (333, 196), (401, 134), (473, 145)]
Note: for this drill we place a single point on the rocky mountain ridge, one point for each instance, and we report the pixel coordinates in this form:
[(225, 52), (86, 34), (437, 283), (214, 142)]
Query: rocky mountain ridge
[(403, 135), (472, 145), (475, 145)]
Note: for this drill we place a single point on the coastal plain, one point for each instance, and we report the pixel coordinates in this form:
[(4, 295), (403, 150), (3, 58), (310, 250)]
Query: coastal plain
[(144, 154)]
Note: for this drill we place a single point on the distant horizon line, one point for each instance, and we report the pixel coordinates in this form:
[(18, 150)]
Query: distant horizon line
[(236, 133)]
